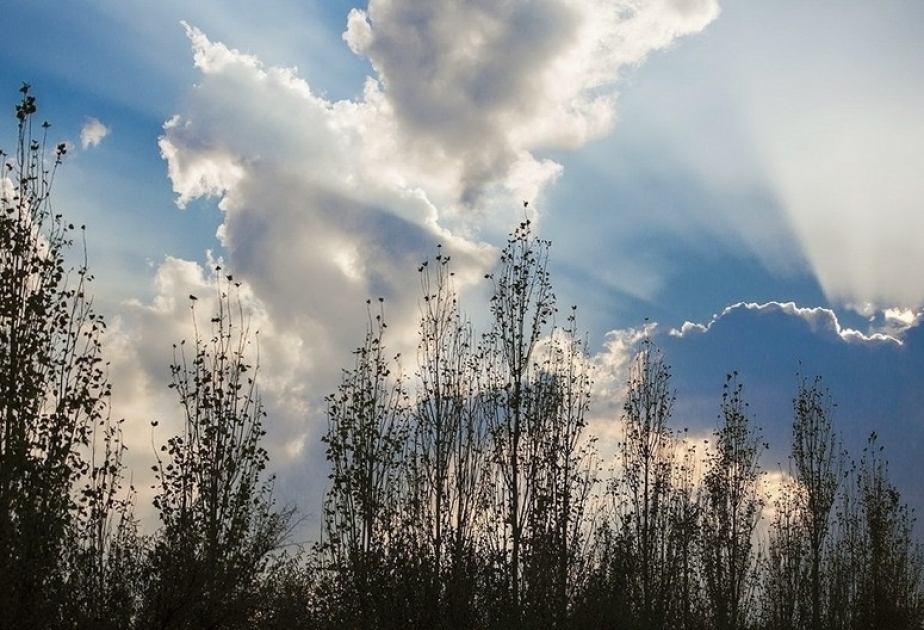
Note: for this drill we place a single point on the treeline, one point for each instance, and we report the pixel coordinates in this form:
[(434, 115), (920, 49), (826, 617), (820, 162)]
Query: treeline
[(465, 491), (468, 494)]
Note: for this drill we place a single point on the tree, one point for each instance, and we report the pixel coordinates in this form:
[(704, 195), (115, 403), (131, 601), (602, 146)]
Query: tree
[(685, 510), (56, 492), (105, 557), (892, 592), (565, 477), (366, 449), (818, 461), (518, 402), (732, 508), (535, 396), (874, 564), (448, 444), (784, 570), (648, 467), (219, 521)]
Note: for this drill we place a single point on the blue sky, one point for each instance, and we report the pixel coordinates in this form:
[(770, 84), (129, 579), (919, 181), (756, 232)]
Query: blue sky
[(746, 178)]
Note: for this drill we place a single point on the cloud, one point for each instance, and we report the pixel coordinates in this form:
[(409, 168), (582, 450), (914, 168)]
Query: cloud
[(792, 138), (92, 133), (479, 87), (876, 381), (612, 367), (820, 320), (327, 203)]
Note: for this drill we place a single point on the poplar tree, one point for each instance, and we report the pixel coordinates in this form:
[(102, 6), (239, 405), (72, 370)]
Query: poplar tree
[(648, 469), (818, 464), (367, 441), (731, 511), (59, 452), (518, 400), (449, 442)]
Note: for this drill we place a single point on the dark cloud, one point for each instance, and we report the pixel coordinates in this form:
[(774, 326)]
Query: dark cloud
[(876, 382)]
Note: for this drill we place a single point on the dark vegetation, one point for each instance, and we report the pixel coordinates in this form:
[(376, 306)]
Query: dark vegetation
[(465, 493)]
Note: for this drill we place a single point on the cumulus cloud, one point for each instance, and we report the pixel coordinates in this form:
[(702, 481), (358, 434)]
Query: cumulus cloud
[(612, 368), (327, 203), (479, 87), (92, 133)]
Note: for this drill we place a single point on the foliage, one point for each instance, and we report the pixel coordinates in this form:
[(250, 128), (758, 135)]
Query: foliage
[(466, 494), (219, 521), (731, 511), (60, 456)]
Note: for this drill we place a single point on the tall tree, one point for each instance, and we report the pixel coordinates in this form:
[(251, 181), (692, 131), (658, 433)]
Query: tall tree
[(449, 442), (565, 477), (53, 389), (105, 559), (648, 468), (732, 509), (535, 399), (219, 520), (874, 562), (519, 401), (366, 448), (784, 582), (818, 464)]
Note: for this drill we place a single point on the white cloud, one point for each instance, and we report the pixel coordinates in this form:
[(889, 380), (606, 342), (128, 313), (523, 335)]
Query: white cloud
[(477, 87), (327, 203), (612, 367), (92, 133), (820, 320)]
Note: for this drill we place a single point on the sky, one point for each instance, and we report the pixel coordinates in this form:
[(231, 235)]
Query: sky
[(741, 181)]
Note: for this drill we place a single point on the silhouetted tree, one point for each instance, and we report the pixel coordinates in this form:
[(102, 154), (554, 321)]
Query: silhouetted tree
[(366, 449), (647, 470), (892, 591), (565, 478), (874, 566), (106, 556), (447, 467), (219, 523), (784, 583), (59, 452), (818, 464), (522, 306), (536, 394), (732, 508)]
